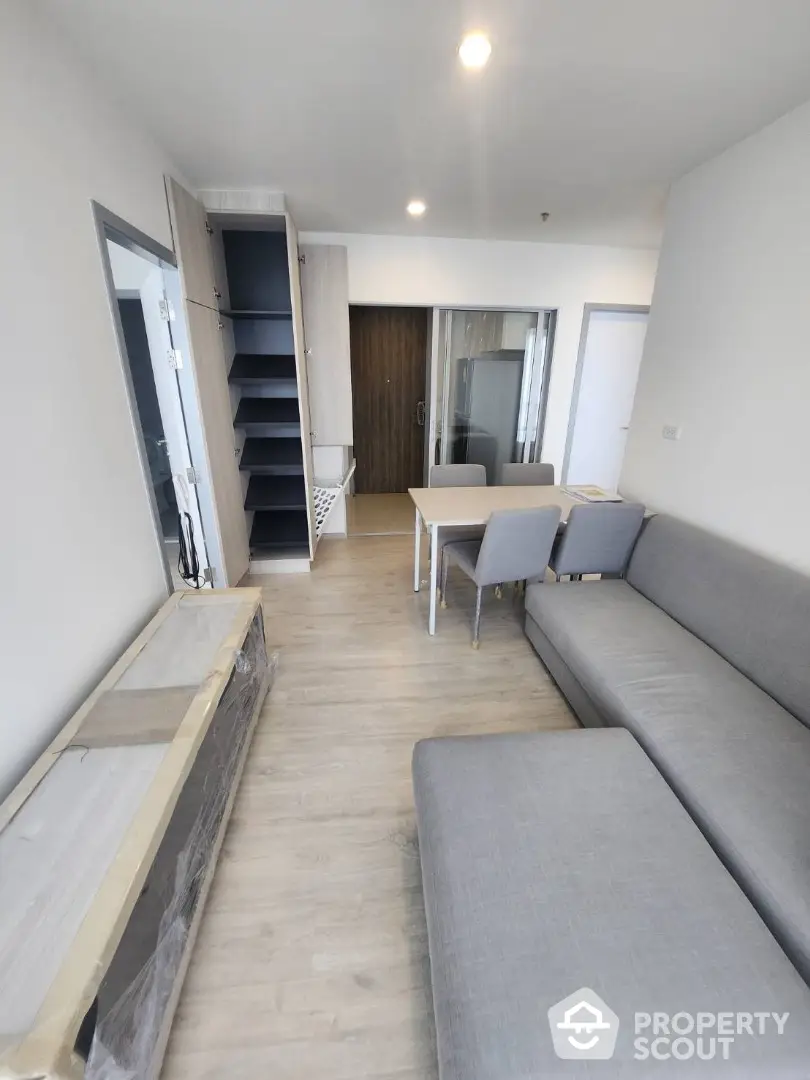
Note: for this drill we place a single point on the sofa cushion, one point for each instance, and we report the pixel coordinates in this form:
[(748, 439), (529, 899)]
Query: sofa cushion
[(553, 861), (754, 612), (738, 760)]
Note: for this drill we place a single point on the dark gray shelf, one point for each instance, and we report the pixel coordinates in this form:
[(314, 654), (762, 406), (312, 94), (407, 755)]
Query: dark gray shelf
[(254, 369), (273, 457), (268, 416), (231, 314), (276, 531), (276, 493)]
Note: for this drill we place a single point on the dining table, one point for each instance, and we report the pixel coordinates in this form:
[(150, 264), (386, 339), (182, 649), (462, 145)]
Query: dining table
[(440, 507)]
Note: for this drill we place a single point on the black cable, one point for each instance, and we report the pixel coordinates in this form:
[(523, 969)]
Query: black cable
[(188, 565)]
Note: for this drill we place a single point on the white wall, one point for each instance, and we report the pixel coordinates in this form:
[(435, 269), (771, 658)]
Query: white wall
[(477, 273), (726, 355), (80, 561)]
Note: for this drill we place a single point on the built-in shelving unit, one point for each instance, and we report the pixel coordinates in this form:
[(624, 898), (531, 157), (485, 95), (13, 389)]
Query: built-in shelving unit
[(264, 376)]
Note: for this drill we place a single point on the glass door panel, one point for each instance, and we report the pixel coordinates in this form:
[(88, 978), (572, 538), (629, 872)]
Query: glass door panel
[(491, 387)]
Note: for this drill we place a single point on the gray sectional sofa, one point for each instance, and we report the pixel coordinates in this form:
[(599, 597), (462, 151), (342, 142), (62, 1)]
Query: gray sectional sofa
[(665, 866)]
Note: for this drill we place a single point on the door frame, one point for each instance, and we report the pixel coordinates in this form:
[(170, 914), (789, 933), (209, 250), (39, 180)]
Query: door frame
[(587, 311), (110, 226)]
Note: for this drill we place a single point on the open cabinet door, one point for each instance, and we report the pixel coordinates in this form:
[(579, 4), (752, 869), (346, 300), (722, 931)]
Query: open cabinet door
[(299, 342), (192, 245), (207, 356)]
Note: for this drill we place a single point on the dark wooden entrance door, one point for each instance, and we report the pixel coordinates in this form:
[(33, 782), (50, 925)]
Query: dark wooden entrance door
[(389, 362)]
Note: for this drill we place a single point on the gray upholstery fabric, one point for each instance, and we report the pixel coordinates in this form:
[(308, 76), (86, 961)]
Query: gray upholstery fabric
[(464, 553), (516, 545), (457, 476), (597, 539), (575, 694), (450, 534), (517, 474), (754, 612), (559, 860), (739, 761)]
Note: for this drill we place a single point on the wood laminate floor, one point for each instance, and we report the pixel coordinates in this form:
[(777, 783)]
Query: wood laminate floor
[(380, 515), (311, 962)]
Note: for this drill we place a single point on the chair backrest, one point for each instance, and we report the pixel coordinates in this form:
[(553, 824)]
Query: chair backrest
[(516, 474), (517, 545), (457, 476), (598, 539)]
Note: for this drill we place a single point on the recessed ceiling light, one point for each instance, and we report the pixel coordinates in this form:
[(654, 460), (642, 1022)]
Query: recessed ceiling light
[(474, 50), (416, 207)]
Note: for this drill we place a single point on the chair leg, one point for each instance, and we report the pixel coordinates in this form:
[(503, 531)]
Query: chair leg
[(477, 623), (443, 587), (499, 592)]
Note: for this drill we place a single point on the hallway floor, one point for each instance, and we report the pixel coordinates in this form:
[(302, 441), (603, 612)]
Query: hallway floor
[(311, 963), (380, 515)]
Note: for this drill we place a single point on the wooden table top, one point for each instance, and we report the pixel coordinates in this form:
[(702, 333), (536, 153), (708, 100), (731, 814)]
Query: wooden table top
[(473, 505)]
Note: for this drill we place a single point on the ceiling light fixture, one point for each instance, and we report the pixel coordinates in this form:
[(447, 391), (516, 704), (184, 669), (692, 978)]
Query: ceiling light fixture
[(416, 207), (474, 50)]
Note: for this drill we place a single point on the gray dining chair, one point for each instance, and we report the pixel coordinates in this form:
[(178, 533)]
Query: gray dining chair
[(598, 539), (457, 476), (519, 473), (516, 546)]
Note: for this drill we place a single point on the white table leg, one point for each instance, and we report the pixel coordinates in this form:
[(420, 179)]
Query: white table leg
[(434, 575), (417, 551)]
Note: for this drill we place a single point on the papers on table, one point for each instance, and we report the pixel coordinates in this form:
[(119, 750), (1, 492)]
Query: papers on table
[(592, 494)]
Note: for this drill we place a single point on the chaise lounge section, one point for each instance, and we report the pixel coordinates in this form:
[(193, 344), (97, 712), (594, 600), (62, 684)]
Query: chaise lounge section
[(703, 653)]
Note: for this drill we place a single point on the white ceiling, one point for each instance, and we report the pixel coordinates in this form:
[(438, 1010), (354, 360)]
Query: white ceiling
[(588, 108)]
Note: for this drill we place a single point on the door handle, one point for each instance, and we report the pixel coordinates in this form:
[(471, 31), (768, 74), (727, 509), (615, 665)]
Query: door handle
[(420, 413)]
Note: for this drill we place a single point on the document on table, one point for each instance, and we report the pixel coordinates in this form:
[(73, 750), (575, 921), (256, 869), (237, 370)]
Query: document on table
[(592, 494)]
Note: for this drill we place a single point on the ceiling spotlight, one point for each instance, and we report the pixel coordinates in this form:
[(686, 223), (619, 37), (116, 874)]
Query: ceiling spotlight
[(416, 207), (474, 51)]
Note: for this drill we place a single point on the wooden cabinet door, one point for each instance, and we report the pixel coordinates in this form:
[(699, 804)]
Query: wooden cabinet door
[(299, 341), (208, 358), (195, 262), (192, 245), (325, 298)]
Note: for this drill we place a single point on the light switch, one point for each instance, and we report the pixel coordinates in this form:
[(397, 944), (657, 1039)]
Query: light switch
[(670, 431)]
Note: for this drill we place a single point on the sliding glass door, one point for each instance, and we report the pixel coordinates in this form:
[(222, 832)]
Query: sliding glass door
[(491, 387)]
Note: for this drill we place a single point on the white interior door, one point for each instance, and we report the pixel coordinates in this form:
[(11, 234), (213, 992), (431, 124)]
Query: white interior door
[(299, 340), (207, 357), (325, 303), (161, 347), (613, 346)]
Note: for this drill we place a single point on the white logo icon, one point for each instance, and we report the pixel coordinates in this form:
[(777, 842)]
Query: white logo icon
[(583, 1027)]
